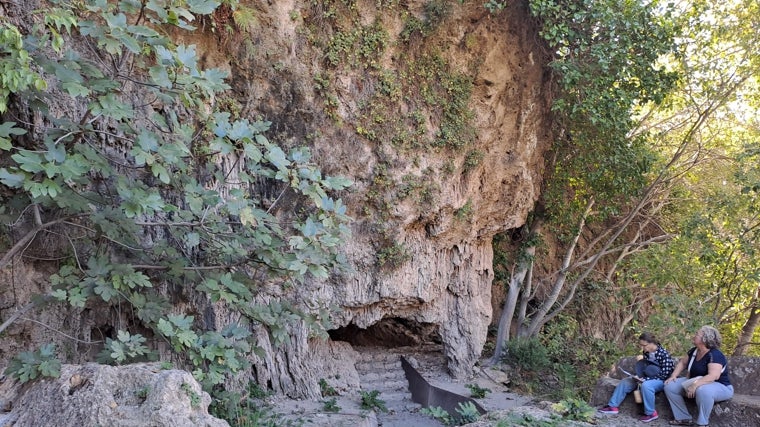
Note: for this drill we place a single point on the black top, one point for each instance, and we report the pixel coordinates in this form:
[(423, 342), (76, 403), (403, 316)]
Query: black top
[(699, 367)]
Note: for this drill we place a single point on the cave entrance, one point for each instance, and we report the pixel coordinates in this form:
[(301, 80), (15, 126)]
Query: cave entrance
[(388, 332)]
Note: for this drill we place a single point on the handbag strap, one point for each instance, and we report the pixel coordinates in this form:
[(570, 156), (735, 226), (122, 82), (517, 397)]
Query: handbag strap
[(688, 368)]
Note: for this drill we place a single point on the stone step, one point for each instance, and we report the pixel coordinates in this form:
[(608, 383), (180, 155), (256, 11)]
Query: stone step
[(376, 376), (369, 366), (395, 397), (385, 385), (378, 357)]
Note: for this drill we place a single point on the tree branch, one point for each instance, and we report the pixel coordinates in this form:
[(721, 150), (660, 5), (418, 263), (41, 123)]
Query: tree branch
[(28, 238)]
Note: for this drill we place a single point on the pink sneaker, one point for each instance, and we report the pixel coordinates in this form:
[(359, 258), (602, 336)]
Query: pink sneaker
[(649, 418), (609, 410)]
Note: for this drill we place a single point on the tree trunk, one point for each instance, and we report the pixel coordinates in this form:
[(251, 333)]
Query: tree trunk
[(540, 317), (510, 303), (748, 330)]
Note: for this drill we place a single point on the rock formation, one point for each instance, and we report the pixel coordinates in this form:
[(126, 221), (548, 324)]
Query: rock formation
[(101, 395), (420, 258), (446, 279)]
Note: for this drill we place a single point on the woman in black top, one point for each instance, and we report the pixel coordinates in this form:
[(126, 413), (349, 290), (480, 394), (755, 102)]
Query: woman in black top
[(707, 378)]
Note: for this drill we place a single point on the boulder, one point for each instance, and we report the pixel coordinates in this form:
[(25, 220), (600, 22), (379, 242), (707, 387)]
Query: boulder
[(138, 395)]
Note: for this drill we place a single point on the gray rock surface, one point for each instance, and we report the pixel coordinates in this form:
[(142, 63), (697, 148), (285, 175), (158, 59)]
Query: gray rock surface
[(138, 395)]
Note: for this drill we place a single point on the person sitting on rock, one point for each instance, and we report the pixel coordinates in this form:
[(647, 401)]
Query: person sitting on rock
[(654, 365), (707, 381)]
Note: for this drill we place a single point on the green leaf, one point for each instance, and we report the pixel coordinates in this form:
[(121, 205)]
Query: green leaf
[(137, 279), (105, 290), (55, 153), (310, 228), (247, 217), (235, 287), (77, 297), (111, 106), (298, 266), (177, 16), (215, 79), (192, 239), (181, 321), (240, 130), (187, 337), (122, 336), (141, 30), (160, 171), (68, 74), (28, 161), (222, 146), (142, 157), (148, 141), (160, 76), (131, 43), (202, 7), (186, 56), (252, 152), (318, 271), (153, 202), (277, 157), (151, 311), (59, 294), (117, 352), (166, 328), (13, 180), (9, 128), (47, 350), (337, 182), (102, 85), (158, 7), (50, 368)]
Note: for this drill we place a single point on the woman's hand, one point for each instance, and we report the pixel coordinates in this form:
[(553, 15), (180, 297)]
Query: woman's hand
[(692, 390), (669, 380)]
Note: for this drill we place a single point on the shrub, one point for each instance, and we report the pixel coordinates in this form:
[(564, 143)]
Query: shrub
[(439, 414), (477, 392), (468, 413), (371, 401), (330, 405), (575, 409), (528, 354)]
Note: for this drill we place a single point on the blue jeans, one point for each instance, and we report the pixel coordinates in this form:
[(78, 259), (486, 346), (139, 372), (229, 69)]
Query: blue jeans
[(706, 396), (648, 389)]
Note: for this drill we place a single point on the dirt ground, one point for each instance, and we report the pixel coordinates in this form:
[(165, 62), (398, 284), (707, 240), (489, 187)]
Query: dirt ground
[(501, 404)]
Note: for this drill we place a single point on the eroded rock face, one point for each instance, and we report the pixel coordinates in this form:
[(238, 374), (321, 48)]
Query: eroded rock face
[(99, 395), (445, 280)]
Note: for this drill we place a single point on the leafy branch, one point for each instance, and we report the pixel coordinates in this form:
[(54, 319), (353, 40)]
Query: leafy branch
[(161, 186)]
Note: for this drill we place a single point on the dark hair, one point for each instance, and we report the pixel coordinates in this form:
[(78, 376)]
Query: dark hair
[(649, 337)]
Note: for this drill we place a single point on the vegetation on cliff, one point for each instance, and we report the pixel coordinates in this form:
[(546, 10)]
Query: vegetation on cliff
[(649, 221), (140, 181), (131, 168)]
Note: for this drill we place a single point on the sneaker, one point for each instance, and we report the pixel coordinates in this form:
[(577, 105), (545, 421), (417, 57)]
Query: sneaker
[(609, 410), (649, 418)]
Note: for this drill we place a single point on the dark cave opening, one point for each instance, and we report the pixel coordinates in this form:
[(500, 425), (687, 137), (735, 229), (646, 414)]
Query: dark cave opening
[(388, 332)]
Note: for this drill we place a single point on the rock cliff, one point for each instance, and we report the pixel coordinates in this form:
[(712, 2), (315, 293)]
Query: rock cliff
[(439, 113), (441, 274)]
